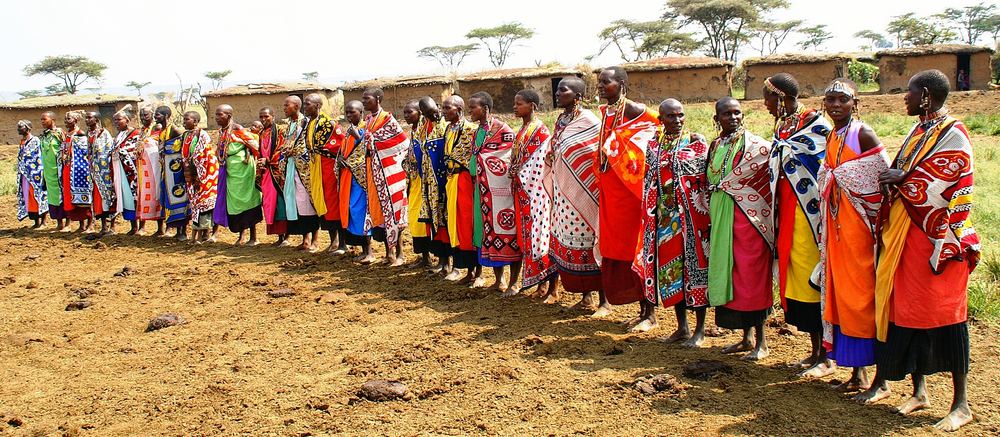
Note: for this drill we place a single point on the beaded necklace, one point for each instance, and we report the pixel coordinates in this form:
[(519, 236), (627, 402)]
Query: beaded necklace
[(519, 142), (729, 142), (782, 127), (563, 122), (616, 119), (930, 124)]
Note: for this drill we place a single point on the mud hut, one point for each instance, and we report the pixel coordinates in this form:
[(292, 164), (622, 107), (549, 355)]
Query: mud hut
[(898, 65), (399, 90), (32, 109), (247, 100), (686, 78), (504, 84), (813, 71)]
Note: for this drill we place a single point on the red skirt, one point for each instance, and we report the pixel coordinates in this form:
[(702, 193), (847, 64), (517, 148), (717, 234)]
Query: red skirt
[(620, 283)]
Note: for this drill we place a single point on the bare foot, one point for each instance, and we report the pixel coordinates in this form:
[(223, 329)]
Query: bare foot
[(742, 346), (872, 395), (181, 237), (586, 302), (340, 252), (419, 263), (157, 234), (914, 403), (551, 299), (805, 363), (387, 261), (852, 385), (284, 243), (633, 321), (678, 335), (65, 229), (366, 259), (957, 418), (211, 239), (131, 232), (695, 342), (398, 262), (253, 242), (478, 283), (239, 242), (757, 354), (312, 249), (644, 326), (453, 276), (822, 369), (467, 279), (602, 311), (511, 291)]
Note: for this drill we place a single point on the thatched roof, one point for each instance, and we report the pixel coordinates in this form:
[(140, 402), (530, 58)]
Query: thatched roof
[(393, 82), (674, 63), (66, 100), (519, 73), (934, 49), (798, 58), (267, 88)]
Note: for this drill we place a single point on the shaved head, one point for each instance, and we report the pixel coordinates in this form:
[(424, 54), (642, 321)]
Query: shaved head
[(671, 104), (455, 100), (575, 84), (354, 104), (224, 108), (314, 98), (294, 100)]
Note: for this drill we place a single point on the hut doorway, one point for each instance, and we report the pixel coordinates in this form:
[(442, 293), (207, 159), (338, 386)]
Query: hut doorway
[(555, 89), (962, 71)]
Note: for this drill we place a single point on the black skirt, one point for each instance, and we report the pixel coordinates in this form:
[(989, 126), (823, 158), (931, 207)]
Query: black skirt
[(245, 220), (804, 316), (465, 259), (329, 225), (304, 225), (440, 249), (378, 234), (354, 239), (732, 319), (909, 351), (421, 245)]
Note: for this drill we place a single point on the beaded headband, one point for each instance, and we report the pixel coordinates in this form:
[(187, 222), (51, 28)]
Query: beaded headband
[(770, 86), (840, 87)]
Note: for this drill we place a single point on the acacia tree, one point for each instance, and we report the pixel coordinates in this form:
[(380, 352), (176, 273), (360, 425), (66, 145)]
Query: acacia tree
[(217, 77), (815, 37), (772, 34), (310, 76), (726, 24), (73, 71), (499, 40), (875, 40), (911, 30), (644, 40), (27, 94), (137, 86), (450, 56), (971, 21)]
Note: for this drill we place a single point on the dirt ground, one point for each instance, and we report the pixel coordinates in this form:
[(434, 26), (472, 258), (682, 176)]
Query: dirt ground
[(246, 363)]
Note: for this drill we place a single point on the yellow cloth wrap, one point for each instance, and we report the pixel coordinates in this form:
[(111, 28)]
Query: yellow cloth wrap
[(416, 199), (893, 237), (802, 261), (316, 185), (451, 191)]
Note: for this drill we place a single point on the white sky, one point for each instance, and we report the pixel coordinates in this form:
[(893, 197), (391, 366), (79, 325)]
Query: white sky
[(273, 40)]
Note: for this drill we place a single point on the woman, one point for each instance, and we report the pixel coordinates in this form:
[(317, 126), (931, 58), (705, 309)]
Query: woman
[(126, 175), (31, 199), (531, 201), (77, 185), (150, 171), (101, 145), (742, 233), (799, 146), (202, 163), (672, 258), (851, 198), (51, 144), (459, 189)]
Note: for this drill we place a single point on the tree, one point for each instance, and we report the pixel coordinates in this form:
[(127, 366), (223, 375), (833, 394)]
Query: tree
[(876, 40), (137, 86), (644, 40), (56, 88), (815, 37), (971, 21), (772, 34), (73, 71), (451, 56), (726, 23), (217, 77), (498, 40), (991, 26), (27, 94), (911, 30), (310, 76)]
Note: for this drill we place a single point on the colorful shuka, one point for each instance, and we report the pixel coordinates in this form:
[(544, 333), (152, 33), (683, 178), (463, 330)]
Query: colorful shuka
[(797, 152), (297, 174), (173, 192), (51, 145), (928, 250), (621, 166), (415, 197), (459, 194), (851, 197), (386, 146), (354, 211), (272, 206), (532, 202), (238, 203), (32, 200), (102, 173), (672, 258), (197, 149), (77, 185), (126, 175), (433, 209), (742, 231), (495, 217), (321, 138), (150, 174)]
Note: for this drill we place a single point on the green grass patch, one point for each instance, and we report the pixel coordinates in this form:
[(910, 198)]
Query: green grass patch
[(8, 177)]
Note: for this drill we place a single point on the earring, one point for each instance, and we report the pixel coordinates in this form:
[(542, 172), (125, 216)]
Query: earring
[(718, 126)]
